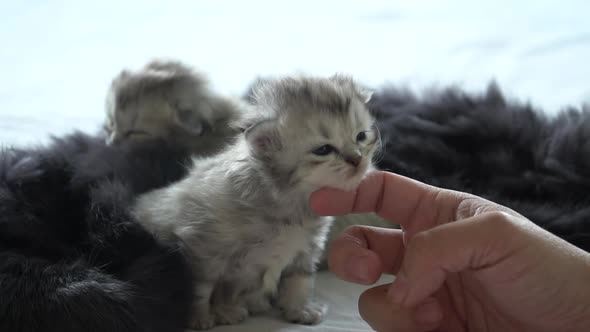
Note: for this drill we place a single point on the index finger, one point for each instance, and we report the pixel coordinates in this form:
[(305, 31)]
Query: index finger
[(391, 196)]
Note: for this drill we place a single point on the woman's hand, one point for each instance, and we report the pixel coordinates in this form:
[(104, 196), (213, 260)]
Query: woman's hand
[(462, 263)]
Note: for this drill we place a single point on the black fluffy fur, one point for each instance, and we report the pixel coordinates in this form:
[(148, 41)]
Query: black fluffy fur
[(71, 256), (504, 150)]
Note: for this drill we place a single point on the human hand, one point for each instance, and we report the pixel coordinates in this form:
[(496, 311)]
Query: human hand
[(462, 263)]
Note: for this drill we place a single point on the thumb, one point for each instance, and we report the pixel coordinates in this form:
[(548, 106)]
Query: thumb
[(376, 309), (469, 244)]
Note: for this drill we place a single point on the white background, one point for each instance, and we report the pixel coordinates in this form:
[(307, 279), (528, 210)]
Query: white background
[(57, 57)]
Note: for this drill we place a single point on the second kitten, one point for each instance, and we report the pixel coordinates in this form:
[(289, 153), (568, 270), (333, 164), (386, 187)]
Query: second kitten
[(170, 101)]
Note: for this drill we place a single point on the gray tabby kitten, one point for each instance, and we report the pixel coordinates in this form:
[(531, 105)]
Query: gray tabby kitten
[(170, 101), (244, 214), (340, 223)]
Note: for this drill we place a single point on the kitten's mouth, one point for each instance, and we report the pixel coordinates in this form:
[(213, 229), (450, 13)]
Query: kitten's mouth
[(355, 171)]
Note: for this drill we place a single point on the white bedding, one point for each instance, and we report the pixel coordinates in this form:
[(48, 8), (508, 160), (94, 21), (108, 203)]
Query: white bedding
[(57, 57), (342, 315)]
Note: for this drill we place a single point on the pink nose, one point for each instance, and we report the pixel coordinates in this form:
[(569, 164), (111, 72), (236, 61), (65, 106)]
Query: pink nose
[(353, 160)]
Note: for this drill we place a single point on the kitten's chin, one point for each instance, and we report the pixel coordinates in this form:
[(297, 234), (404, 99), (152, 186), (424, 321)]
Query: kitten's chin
[(347, 180), (354, 181), (345, 183), (350, 185)]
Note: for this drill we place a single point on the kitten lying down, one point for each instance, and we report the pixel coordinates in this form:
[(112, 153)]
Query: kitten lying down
[(168, 100), (243, 215)]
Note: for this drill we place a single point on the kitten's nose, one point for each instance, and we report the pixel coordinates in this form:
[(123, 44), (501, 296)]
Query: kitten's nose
[(354, 159)]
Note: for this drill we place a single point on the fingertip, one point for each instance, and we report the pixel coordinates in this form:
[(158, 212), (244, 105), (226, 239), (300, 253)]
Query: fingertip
[(375, 268), (363, 267), (331, 202), (317, 201), (382, 315), (399, 289)]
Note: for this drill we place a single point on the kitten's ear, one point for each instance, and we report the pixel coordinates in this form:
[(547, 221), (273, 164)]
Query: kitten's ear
[(120, 80), (125, 73), (241, 124), (347, 80), (365, 94), (263, 137), (246, 117)]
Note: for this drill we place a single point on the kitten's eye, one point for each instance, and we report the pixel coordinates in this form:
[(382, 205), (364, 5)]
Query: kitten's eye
[(324, 150), (361, 136)]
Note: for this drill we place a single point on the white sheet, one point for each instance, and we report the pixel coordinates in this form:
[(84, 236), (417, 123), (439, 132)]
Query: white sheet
[(57, 58), (342, 315)]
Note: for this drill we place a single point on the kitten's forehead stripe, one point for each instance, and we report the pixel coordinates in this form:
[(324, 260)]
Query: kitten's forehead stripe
[(347, 103), (324, 131), (357, 117), (334, 104), (307, 94)]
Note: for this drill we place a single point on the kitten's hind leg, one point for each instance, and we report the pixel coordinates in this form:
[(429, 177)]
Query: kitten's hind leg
[(295, 299), (202, 317)]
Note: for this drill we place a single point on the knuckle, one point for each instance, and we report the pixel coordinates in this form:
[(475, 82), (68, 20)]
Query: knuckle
[(499, 219)]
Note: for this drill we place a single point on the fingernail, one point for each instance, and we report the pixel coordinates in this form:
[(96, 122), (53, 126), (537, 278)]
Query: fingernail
[(428, 313), (358, 268), (398, 291)]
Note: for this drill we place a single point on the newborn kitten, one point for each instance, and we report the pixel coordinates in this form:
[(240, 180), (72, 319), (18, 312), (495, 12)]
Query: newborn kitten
[(170, 101), (243, 215), (341, 223)]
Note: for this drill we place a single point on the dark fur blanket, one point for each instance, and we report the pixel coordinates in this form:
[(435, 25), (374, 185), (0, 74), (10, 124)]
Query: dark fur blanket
[(71, 256), (500, 149)]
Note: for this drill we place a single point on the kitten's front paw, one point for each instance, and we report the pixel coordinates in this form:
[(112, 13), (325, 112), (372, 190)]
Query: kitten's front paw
[(229, 315), (311, 314), (202, 322)]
